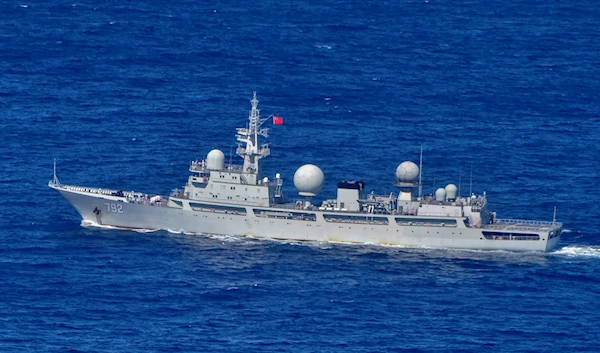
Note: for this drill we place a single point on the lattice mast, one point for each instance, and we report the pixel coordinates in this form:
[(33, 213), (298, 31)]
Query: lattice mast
[(249, 147)]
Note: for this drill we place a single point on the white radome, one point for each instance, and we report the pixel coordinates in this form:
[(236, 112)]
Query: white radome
[(451, 191), (440, 194), (407, 172), (309, 179), (215, 160)]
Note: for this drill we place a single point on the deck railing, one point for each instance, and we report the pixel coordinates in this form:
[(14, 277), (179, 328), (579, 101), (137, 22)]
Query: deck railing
[(522, 224), (130, 196)]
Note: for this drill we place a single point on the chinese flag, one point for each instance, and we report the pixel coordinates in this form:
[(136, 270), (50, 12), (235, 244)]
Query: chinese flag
[(277, 120)]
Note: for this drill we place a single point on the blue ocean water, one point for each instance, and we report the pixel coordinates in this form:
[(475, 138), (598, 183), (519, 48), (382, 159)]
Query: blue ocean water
[(125, 94)]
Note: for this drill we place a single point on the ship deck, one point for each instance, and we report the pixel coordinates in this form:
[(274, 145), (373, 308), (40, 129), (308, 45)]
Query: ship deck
[(130, 196), (521, 225)]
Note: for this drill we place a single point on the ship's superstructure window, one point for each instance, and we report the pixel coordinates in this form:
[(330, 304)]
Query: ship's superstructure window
[(509, 236), (217, 208), (342, 218), (177, 203), (425, 222), (298, 216)]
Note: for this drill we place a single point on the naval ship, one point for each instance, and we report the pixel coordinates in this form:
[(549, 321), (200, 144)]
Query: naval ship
[(238, 199)]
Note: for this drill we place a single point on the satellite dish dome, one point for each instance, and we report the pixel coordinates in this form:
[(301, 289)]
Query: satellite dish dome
[(215, 160), (407, 172), (440, 194), (308, 179), (451, 191)]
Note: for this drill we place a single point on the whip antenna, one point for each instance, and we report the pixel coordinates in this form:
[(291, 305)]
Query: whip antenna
[(459, 179), (471, 181), (421, 173), (55, 180)]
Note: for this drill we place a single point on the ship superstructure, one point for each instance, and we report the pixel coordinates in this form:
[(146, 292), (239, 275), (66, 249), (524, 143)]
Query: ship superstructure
[(213, 180), (233, 199)]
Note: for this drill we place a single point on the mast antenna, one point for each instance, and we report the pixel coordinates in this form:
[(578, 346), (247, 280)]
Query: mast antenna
[(554, 217), (421, 173), (459, 179), (471, 181), (55, 180)]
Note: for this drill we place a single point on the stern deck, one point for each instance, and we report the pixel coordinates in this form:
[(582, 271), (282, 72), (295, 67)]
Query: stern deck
[(522, 225)]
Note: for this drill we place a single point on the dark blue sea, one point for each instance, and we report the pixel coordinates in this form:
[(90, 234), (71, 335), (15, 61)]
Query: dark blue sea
[(124, 94)]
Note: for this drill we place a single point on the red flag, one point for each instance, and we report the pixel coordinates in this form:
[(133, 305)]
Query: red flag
[(277, 120)]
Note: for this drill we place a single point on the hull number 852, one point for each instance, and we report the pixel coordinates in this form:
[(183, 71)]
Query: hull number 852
[(111, 207)]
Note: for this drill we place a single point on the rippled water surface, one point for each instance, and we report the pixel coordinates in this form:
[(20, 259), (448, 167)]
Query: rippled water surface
[(126, 94)]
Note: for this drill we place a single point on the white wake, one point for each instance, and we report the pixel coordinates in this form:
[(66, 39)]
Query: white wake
[(578, 251), (90, 224)]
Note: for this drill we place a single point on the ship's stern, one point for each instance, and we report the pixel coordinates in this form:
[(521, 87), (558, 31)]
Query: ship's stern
[(553, 238)]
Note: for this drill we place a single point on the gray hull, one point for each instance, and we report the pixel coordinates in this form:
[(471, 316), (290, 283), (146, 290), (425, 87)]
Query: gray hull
[(112, 211)]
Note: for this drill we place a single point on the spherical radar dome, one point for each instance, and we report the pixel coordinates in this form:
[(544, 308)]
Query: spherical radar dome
[(407, 172), (451, 191), (215, 160), (308, 179), (440, 194)]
